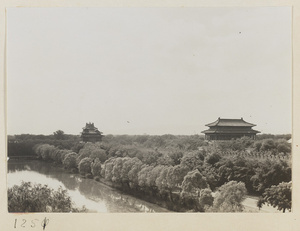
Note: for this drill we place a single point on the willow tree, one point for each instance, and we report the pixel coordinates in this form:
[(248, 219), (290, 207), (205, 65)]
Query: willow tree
[(229, 197), (192, 185)]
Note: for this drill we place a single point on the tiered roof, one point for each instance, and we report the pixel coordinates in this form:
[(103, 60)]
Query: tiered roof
[(90, 128), (230, 126), (90, 133), (230, 123)]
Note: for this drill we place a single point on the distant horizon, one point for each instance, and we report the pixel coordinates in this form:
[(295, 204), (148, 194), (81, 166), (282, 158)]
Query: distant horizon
[(153, 134), (200, 134)]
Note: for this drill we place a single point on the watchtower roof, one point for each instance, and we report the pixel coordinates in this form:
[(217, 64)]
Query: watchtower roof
[(89, 126), (230, 123)]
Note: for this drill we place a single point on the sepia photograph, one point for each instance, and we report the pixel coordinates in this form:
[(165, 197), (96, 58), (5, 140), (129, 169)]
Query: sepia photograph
[(149, 110)]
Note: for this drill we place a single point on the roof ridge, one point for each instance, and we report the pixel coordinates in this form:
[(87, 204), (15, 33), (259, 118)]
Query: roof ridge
[(221, 121), (231, 119), (218, 121)]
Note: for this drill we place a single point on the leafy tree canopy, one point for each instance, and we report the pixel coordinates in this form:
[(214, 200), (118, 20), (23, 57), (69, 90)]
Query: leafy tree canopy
[(279, 196), (229, 197), (59, 135), (30, 197)]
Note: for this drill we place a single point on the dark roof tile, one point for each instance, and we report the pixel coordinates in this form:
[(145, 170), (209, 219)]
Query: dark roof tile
[(230, 123)]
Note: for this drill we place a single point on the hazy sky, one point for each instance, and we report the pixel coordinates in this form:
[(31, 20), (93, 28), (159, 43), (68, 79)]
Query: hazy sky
[(147, 70)]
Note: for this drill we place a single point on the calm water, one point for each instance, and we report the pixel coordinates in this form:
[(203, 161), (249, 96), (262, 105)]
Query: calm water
[(95, 196)]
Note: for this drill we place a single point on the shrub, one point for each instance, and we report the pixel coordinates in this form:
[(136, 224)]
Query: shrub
[(283, 146), (212, 159), (74, 170), (92, 151), (192, 160), (44, 151), (99, 154), (85, 166), (176, 156), (62, 154), (205, 199), (30, 197), (96, 167), (69, 161), (89, 176), (268, 145), (257, 145), (192, 183)]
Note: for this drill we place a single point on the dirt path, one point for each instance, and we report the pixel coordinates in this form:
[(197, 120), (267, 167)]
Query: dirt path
[(250, 206)]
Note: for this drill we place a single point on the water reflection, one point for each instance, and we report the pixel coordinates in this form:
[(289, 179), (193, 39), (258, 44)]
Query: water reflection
[(95, 196)]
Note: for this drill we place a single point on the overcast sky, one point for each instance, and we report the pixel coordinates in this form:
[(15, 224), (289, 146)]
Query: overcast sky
[(147, 70)]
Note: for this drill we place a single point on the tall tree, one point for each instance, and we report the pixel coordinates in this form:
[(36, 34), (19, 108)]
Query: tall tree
[(229, 197), (59, 135), (69, 160), (279, 196), (192, 183)]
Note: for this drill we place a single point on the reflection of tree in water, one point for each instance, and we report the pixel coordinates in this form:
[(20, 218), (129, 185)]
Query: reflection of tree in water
[(16, 165), (115, 201), (32, 165), (46, 169), (69, 181), (90, 189), (85, 187), (53, 172), (97, 192), (118, 202), (135, 205), (14, 168)]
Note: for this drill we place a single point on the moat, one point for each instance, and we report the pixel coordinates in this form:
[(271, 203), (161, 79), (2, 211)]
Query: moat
[(95, 196)]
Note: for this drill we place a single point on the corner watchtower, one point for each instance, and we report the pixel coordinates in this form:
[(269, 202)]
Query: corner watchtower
[(90, 133)]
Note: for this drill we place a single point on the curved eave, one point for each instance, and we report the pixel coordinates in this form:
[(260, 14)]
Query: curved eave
[(230, 132), (213, 123)]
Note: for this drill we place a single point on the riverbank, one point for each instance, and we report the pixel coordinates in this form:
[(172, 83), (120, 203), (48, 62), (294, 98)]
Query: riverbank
[(95, 196), (23, 158), (152, 201), (249, 203)]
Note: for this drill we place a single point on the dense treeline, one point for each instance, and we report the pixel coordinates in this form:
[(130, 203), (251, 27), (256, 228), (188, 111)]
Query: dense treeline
[(180, 172), (22, 145)]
